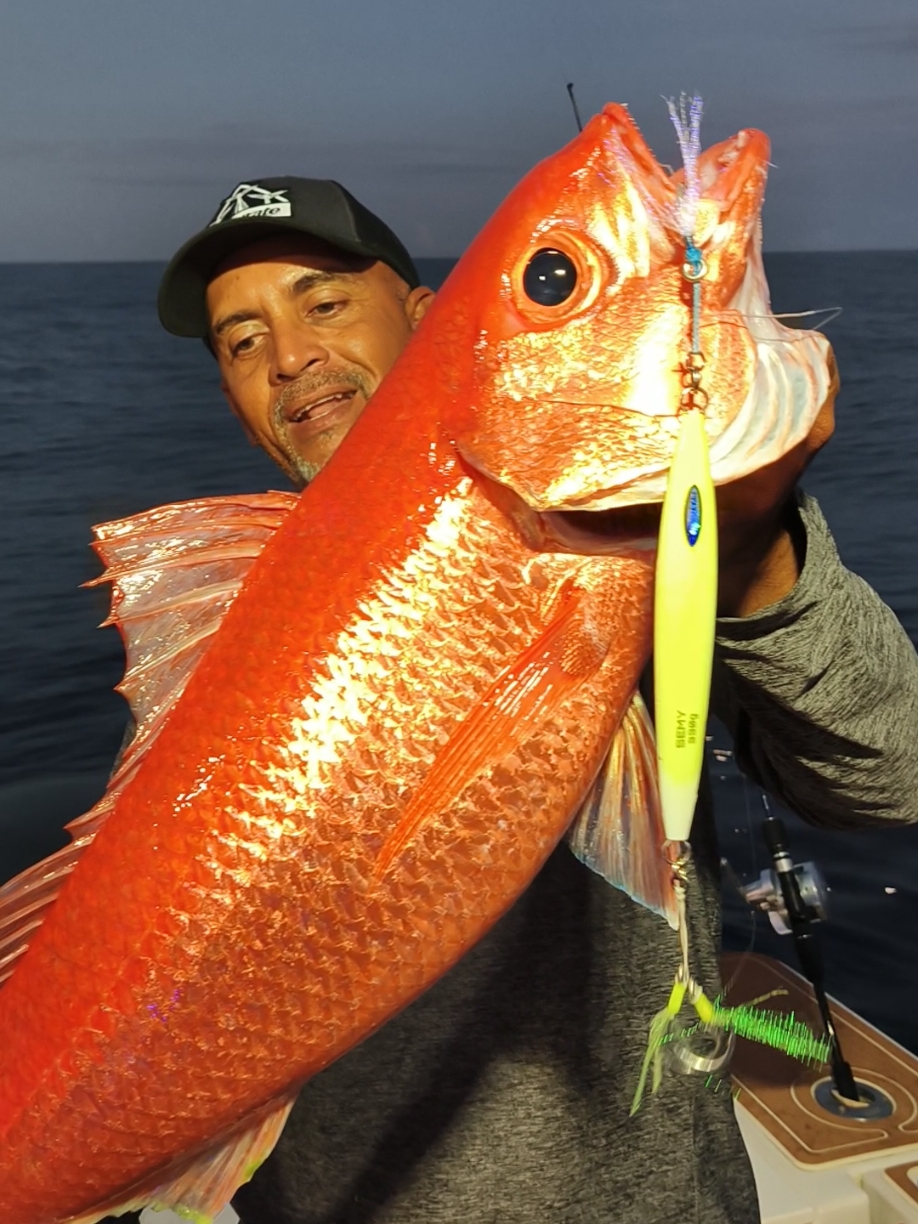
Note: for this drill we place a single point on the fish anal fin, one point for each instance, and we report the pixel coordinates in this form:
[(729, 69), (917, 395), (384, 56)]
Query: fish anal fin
[(200, 1188), (618, 831), (568, 651), (175, 571)]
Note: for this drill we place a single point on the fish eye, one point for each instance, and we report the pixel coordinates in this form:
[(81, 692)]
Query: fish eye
[(550, 277)]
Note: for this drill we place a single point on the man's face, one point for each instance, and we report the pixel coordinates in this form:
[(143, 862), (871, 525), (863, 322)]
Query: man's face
[(304, 334)]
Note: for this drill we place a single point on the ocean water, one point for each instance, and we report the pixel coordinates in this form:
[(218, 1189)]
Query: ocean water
[(102, 414)]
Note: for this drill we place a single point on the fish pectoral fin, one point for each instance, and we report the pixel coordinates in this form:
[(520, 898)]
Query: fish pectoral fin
[(199, 1189), (567, 652), (618, 831)]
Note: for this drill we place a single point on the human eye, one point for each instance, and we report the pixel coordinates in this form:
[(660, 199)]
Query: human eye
[(329, 307), (242, 345)]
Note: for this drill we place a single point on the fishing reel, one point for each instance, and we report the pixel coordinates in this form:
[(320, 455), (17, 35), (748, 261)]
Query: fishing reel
[(766, 894)]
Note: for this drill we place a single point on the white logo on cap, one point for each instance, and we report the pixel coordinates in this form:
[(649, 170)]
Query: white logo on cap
[(249, 200)]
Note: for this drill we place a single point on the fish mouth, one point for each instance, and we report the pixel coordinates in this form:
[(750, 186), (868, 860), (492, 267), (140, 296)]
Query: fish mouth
[(602, 532)]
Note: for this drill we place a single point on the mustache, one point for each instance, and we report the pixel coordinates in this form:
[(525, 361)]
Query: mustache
[(309, 385)]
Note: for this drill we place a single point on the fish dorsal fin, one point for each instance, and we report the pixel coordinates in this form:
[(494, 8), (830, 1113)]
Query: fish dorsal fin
[(174, 572), (618, 831), (199, 1189)]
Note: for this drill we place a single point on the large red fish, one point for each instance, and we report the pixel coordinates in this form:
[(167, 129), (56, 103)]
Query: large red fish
[(367, 715)]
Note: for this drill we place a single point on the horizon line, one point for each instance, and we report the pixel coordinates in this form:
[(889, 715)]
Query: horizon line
[(456, 258)]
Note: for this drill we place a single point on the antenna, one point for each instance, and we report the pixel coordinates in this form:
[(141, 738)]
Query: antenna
[(570, 90)]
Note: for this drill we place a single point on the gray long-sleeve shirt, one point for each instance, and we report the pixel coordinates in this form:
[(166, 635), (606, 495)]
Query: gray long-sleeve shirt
[(503, 1094)]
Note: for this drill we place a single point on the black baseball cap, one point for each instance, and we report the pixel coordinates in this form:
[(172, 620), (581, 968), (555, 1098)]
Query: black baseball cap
[(321, 208)]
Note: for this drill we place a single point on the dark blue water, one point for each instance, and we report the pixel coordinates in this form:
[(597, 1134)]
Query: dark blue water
[(102, 414)]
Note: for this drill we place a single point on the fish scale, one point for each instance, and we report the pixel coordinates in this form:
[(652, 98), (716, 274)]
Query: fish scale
[(379, 960), (358, 743)]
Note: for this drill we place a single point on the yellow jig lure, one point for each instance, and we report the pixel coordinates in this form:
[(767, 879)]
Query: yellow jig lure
[(685, 610), (685, 603)]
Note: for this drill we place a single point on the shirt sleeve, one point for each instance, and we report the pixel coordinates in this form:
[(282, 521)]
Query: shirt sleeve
[(820, 693)]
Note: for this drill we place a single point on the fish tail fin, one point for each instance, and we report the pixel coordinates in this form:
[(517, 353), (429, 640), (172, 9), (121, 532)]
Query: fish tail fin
[(618, 831)]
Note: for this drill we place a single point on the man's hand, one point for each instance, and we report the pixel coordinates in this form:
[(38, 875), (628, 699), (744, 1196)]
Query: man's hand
[(761, 549)]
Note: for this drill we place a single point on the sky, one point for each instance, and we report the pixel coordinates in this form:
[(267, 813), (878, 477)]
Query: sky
[(124, 122)]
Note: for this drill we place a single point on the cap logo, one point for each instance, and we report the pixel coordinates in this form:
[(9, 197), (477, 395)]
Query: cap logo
[(250, 200)]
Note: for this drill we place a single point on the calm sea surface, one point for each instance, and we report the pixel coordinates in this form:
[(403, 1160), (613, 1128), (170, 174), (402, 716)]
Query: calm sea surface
[(102, 414)]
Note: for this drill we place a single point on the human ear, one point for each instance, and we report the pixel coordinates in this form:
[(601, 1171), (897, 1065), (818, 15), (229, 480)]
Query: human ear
[(417, 303)]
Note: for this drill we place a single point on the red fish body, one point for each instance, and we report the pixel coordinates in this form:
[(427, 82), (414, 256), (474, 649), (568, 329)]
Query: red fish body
[(395, 722)]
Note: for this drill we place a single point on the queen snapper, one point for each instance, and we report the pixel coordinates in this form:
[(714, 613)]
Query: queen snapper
[(366, 716)]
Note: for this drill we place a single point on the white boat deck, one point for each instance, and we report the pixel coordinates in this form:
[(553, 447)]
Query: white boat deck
[(812, 1167)]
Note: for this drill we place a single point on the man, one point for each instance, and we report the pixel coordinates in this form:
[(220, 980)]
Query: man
[(305, 302), (503, 1093)]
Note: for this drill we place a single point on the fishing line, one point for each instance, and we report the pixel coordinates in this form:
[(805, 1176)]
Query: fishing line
[(730, 872), (799, 335), (831, 313)]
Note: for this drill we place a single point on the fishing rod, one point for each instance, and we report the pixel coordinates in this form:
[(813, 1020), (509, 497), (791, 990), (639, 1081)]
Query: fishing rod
[(794, 897), (570, 90)]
